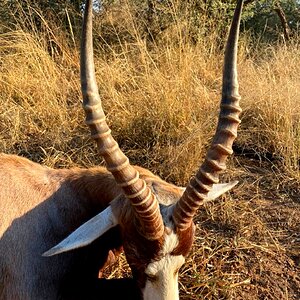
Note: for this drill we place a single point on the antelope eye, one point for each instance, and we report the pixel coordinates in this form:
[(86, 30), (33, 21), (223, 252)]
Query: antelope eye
[(152, 278)]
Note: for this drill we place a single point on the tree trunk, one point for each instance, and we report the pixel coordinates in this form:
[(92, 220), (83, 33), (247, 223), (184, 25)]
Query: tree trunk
[(285, 25)]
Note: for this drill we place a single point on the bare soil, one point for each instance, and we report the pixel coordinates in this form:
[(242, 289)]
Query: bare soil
[(248, 244)]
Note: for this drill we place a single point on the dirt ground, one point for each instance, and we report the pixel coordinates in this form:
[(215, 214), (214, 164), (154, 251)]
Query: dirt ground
[(248, 244)]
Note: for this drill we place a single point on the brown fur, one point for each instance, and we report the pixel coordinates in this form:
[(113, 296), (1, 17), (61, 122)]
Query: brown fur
[(40, 206), (138, 250), (186, 238)]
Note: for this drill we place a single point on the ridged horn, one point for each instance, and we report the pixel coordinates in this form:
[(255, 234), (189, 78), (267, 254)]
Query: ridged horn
[(226, 132), (143, 201)]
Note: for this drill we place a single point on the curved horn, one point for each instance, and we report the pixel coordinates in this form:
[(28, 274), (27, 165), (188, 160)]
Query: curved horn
[(226, 132), (143, 201)]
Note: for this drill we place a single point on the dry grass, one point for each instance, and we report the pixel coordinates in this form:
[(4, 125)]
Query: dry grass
[(272, 114), (162, 105)]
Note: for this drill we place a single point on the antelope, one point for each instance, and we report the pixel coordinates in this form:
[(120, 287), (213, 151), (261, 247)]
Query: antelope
[(91, 215)]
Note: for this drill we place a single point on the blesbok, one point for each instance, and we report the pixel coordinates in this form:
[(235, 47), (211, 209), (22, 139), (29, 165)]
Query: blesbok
[(126, 206)]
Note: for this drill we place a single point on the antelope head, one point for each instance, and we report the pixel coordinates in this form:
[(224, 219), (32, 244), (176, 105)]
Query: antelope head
[(155, 218)]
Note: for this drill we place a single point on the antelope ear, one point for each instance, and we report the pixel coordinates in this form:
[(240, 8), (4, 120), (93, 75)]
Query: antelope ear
[(219, 189), (86, 233)]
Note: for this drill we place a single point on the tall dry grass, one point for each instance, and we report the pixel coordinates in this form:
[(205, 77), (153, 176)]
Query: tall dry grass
[(162, 103), (272, 112)]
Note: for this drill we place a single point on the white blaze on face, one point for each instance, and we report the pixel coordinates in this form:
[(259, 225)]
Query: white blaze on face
[(162, 282)]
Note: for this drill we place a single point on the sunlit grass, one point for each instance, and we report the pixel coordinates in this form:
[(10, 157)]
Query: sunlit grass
[(162, 103)]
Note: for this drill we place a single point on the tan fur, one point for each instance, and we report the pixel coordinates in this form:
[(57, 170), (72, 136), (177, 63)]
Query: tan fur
[(40, 206)]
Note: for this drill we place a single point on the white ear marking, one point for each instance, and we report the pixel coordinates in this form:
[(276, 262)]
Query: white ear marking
[(219, 189), (86, 233)]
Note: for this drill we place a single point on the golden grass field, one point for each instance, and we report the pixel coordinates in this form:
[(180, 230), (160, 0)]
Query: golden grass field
[(162, 104)]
